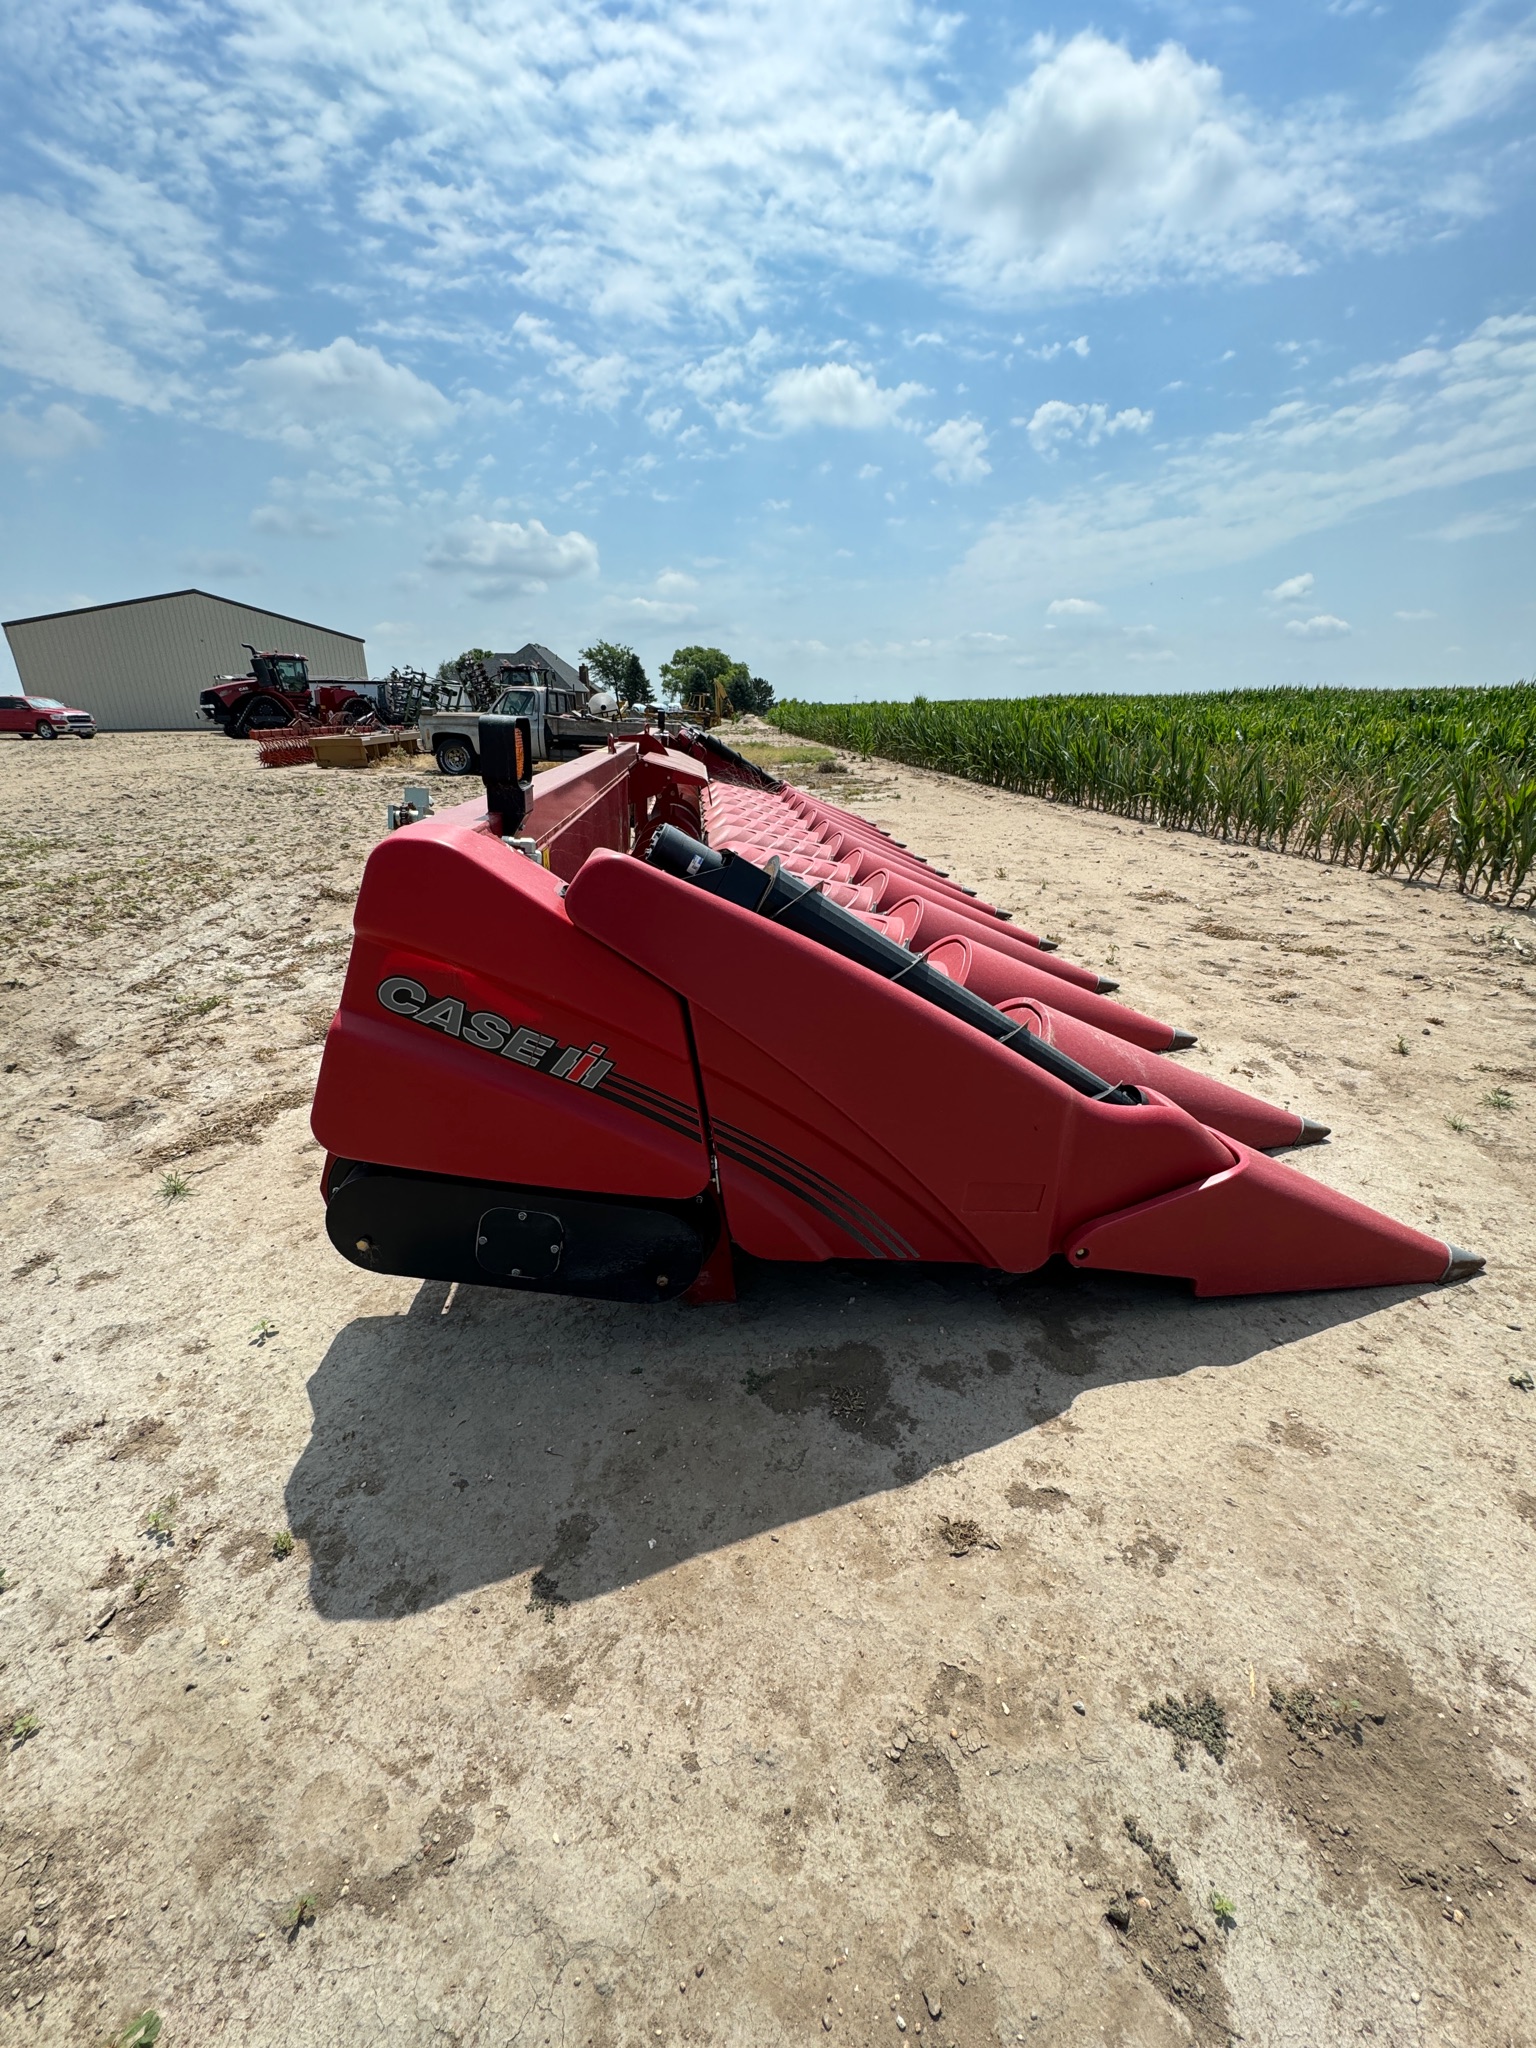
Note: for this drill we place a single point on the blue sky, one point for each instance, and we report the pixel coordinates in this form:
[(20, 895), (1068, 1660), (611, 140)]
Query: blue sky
[(892, 348)]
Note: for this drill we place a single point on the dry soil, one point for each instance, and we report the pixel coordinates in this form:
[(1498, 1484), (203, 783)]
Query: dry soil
[(1059, 1660)]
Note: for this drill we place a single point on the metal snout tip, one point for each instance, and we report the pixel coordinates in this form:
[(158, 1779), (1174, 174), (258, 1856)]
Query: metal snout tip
[(1462, 1265), (1182, 1041), (1047, 945), (1106, 986), (1313, 1133)]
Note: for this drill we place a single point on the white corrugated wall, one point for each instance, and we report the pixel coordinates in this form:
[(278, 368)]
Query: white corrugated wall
[(141, 667)]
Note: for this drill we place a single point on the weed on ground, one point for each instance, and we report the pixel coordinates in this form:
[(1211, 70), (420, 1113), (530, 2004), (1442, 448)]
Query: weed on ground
[(1192, 1723)]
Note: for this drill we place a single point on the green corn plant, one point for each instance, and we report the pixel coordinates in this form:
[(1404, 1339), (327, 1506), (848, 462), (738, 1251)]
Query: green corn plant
[(1419, 783)]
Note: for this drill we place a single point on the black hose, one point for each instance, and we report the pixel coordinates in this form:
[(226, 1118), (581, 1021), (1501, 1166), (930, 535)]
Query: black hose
[(772, 893)]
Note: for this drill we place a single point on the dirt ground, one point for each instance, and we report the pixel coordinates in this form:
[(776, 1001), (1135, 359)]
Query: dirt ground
[(1058, 1660)]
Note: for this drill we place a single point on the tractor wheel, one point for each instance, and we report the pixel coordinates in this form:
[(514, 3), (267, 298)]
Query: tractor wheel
[(455, 755), (45, 731), (356, 712), (265, 715)]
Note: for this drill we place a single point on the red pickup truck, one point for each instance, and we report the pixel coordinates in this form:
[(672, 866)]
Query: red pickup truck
[(44, 718)]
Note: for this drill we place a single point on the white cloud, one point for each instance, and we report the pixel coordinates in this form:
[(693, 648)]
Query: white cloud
[(1055, 422), (1415, 618), (959, 451), (77, 312), (724, 369), (1323, 627), (283, 516), (503, 556), (665, 174), (1048, 351), (1428, 421), (51, 436), (1104, 168), (1293, 589), (674, 583), (308, 394), (1073, 608), (1480, 525), (223, 562), (837, 395), (658, 612), (597, 380), (663, 419), (1475, 73)]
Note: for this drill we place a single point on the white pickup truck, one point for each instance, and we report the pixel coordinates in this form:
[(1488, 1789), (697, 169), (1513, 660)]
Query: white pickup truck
[(565, 723)]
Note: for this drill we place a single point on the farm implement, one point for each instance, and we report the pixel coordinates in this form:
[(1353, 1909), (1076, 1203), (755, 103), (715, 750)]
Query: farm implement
[(652, 1007)]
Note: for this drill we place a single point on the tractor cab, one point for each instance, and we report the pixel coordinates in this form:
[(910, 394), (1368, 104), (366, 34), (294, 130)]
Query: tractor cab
[(286, 672)]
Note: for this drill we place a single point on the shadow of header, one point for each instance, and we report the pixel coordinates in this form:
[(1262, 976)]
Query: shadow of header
[(485, 1434)]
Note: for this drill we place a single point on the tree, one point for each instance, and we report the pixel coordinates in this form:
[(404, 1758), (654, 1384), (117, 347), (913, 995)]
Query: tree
[(621, 669), (752, 695), (692, 673)]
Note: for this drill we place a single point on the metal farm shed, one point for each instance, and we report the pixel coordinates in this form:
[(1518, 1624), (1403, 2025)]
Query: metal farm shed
[(140, 666)]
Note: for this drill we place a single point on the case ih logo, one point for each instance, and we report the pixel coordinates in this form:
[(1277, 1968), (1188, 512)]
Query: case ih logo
[(583, 1065)]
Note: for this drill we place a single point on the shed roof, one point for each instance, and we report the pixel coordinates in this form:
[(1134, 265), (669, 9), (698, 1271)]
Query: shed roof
[(161, 597), (534, 655)]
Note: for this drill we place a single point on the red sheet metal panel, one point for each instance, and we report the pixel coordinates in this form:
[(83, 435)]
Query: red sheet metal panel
[(481, 1034), (868, 1090), (581, 805), (1260, 1228)]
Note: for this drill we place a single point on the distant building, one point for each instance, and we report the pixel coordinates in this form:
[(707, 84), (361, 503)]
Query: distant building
[(139, 666), (533, 655)]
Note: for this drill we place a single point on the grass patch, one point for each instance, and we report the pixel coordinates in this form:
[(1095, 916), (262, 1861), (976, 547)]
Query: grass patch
[(1159, 1859), (544, 1595), (22, 1727), (765, 755), (1307, 1714), (160, 1523), (241, 1124), (300, 1914), (174, 1187), (1193, 1723), (960, 1535), (282, 1543)]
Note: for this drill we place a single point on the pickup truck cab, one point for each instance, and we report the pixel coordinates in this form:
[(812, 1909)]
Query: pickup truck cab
[(45, 718), (564, 721)]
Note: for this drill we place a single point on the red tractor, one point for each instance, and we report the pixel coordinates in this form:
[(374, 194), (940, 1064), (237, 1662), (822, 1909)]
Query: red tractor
[(276, 692)]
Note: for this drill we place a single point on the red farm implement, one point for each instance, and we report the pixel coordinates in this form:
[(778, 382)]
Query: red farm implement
[(654, 1006)]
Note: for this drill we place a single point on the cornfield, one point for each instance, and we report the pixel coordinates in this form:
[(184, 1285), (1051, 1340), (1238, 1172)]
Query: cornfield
[(1430, 784)]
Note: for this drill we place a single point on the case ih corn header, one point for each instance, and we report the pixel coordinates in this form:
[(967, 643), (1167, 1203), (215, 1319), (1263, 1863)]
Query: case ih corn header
[(656, 1006)]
